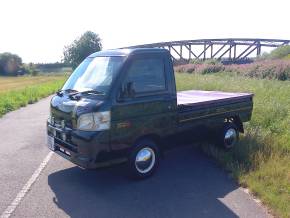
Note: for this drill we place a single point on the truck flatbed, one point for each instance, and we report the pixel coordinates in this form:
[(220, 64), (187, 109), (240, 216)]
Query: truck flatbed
[(198, 105), (202, 98)]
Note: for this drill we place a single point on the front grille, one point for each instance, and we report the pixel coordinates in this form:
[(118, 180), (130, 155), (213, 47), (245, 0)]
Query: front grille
[(61, 130), (61, 123), (66, 145)]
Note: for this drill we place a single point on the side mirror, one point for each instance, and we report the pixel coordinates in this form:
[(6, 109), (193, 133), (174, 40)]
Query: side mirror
[(121, 94), (130, 89), (126, 91)]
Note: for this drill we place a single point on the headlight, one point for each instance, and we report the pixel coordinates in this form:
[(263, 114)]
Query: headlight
[(94, 121), (49, 119)]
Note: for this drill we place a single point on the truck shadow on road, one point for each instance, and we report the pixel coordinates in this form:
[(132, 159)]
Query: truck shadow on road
[(187, 184)]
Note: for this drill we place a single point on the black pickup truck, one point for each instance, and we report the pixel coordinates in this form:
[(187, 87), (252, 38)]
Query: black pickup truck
[(121, 105)]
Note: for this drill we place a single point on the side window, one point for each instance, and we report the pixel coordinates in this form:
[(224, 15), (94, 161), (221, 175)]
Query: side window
[(147, 75)]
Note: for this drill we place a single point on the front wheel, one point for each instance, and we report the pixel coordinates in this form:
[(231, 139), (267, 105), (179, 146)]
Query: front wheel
[(144, 159)]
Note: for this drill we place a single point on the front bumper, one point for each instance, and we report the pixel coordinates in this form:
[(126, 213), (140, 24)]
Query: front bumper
[(84, 148)]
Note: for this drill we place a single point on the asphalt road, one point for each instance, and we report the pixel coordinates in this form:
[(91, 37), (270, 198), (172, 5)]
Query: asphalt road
[(187, 184)]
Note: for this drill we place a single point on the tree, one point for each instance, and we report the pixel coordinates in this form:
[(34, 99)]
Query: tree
[(81, 47), (10, 64), (280, 52)]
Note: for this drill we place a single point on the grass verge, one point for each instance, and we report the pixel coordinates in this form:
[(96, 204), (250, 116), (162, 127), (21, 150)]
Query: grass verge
[(262, 159), (20, 91)]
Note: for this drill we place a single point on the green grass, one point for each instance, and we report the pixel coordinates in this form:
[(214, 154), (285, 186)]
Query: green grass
[(16, 92), (262, 159)]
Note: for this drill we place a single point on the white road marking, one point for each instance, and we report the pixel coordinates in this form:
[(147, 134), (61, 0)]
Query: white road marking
[(19, 197)]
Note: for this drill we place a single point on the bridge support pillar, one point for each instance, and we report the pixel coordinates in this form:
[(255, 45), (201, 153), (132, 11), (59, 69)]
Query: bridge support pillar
[(204, 54), (235, 51), (259, 50)]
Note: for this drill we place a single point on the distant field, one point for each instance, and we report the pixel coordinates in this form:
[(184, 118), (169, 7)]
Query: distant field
[(262, 160), (16, 83), (17, 92)]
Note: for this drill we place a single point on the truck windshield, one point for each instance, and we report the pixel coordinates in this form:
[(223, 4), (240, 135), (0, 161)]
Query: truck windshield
[(94, 74)]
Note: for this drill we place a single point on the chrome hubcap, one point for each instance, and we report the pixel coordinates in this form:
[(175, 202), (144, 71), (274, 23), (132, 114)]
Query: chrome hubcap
[(145, 160), (230, 137)]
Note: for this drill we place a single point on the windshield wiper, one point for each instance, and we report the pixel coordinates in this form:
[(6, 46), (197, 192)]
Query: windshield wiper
[(95, 92), (60, 92), (70, 90), (77, 95)]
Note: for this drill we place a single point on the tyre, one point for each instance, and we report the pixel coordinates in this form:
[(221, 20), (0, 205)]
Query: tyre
[(228, 137), (144, 159)]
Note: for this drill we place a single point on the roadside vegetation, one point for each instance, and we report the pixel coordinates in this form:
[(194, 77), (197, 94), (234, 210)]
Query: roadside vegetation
[(261, 69), (262, 159), (16, 92), (275, 65), (25, 83)]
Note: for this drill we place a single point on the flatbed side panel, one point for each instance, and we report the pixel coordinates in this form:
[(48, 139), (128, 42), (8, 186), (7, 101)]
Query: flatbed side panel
[(208, 112), (215, 111)]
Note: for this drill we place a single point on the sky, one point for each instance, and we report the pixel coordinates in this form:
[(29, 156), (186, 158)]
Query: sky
[(38, 30)]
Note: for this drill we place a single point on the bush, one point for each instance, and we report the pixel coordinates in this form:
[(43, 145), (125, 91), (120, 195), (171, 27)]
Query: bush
[(212, 61), (187, 68), (263, 69), (209, 68), (205, 67), (30, 69), (10, 64), (280, 52)]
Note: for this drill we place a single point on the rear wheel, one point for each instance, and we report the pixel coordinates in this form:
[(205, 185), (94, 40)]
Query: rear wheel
[(228, 137), (144, 159)]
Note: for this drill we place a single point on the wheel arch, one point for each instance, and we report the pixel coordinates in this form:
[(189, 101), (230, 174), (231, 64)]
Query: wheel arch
[(153, 137), (238, 122)]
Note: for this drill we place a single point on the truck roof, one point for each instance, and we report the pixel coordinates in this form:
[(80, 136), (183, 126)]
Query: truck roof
[(127, 52)]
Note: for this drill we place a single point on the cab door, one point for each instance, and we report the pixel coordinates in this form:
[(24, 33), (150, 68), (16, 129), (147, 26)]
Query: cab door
[(148, 107)]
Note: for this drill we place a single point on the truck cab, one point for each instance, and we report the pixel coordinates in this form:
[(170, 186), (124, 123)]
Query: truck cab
[(119, 106)]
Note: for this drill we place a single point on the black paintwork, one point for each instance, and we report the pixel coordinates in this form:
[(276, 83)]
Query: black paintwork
[(155, 115)]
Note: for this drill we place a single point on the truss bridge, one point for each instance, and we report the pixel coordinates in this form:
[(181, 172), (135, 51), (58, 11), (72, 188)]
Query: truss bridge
[(228, 50)]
